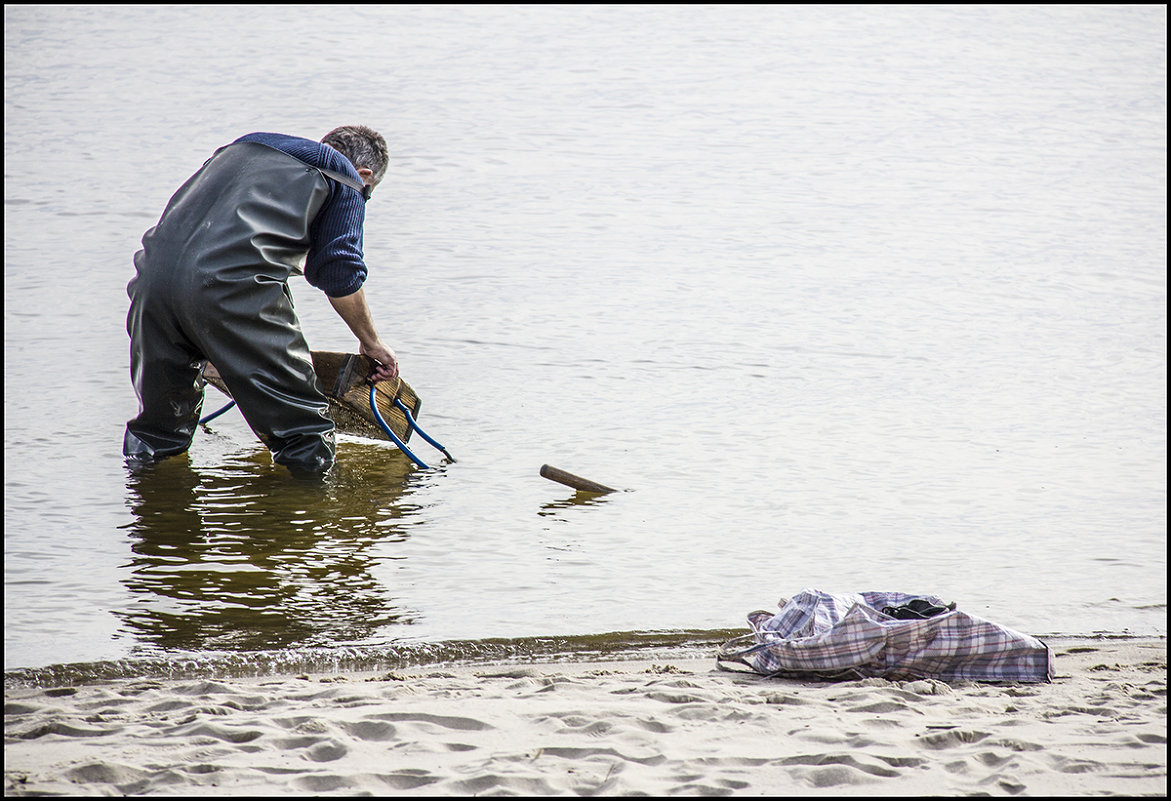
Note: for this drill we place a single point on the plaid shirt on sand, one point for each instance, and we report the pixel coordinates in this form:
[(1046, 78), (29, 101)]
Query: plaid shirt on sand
[(818, 634)]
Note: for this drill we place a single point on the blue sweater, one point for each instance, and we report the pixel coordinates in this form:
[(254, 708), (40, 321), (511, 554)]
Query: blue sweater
[(335, 264)]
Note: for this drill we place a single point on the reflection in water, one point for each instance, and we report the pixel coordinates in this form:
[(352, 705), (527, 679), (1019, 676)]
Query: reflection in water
[(244, 557), (578, 498)]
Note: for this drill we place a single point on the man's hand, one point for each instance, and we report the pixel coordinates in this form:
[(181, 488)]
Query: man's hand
[(355, 312), (387, 369)]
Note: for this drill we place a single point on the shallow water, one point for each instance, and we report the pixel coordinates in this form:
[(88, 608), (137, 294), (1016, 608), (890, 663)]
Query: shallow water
[(848, 298)]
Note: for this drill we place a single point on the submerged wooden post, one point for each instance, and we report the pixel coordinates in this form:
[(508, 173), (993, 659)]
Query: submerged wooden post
[(570, 480)]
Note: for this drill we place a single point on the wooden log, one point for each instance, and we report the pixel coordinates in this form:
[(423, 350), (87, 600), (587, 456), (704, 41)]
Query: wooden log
[(570, 480)]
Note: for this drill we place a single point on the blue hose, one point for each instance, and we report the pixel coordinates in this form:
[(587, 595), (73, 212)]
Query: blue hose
[(402, 446), (411, 422), (214, 415)]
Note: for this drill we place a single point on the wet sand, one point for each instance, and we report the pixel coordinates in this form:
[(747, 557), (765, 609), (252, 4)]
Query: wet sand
[(667, 727)]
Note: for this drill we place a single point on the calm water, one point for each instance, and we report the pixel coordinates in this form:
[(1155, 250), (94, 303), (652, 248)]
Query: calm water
[(846, 297)]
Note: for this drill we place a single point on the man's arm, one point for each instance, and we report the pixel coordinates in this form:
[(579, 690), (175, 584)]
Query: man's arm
[(355, 312)]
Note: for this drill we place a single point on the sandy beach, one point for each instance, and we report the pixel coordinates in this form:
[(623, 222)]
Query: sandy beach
[(666, 727)]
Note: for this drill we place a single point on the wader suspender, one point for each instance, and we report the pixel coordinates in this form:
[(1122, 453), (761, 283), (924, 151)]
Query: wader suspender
[(363, 189)]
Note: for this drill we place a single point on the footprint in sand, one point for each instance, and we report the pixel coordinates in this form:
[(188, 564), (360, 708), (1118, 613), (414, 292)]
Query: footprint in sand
[(223, 733), (408, 779), (20, 709), (836, 776), (128, 781), (840, 765), (884, 708), (374, 731), (651, 758), (327, 751), (64, 729), (444, 721)]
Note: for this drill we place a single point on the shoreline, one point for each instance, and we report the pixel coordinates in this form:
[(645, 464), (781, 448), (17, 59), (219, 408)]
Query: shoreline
[(656, 725), (419, 655)]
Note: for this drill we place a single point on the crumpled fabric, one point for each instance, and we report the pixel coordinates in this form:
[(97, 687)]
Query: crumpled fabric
[(841, 636)]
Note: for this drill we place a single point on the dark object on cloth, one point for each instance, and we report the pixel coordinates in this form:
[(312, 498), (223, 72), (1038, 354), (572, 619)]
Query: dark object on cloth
[(844, 636), (917, 609), (343, 376)]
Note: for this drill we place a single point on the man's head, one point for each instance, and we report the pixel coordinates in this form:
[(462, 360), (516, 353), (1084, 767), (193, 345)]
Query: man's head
[(364, 147)]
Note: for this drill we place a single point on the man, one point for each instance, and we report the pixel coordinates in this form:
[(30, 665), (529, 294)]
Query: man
[(211, 285)]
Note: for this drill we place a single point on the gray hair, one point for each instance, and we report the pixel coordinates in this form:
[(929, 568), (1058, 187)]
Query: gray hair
[(364, 147)]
